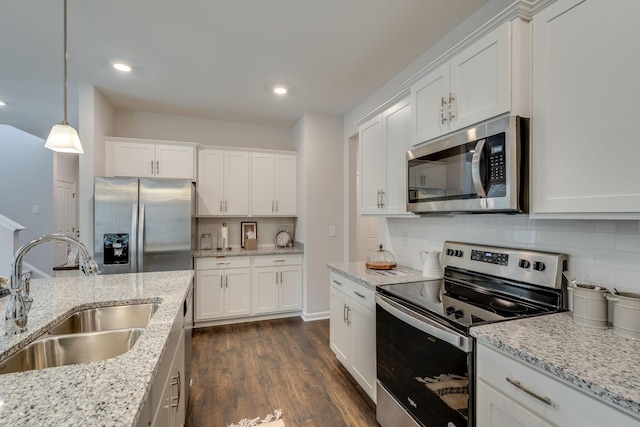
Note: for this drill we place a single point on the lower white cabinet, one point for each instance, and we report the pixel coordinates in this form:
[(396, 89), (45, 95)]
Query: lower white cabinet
[(510, 393), (276, 285), (223, 288), (353, 330)]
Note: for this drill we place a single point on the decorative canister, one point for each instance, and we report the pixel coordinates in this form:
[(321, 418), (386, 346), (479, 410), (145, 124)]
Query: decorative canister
[(206, 242), (626, 314), (590, 306)]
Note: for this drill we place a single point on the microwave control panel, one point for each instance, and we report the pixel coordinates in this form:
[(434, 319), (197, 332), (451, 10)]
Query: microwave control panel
[(497, 166)]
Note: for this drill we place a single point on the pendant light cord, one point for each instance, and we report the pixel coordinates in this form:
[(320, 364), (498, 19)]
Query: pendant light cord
[(64, 121)]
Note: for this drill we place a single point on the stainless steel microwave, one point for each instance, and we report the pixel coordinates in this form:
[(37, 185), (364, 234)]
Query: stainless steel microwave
[(484, 169)]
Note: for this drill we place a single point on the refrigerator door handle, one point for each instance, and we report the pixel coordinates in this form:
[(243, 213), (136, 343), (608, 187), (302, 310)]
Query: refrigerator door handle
[(140, 243), (134, 243)]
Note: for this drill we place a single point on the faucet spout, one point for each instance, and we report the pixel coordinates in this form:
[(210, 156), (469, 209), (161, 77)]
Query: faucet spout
[(19, 300)]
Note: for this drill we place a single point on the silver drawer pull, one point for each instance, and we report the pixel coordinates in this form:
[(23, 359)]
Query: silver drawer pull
[(531, 393), (223, 263), (359, 294), (279, 260), (337, 283)]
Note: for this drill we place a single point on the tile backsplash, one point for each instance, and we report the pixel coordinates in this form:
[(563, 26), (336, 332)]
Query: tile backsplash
[(267, 228), (606, 252)]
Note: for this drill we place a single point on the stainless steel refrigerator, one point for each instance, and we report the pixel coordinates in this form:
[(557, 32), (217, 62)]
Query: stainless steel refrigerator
[(143, 224)]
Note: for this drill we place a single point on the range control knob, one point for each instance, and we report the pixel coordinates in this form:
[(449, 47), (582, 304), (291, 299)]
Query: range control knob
[(523, 263), (450, 252), (539, 266), (458, 253), (458, 314), (450, 310)]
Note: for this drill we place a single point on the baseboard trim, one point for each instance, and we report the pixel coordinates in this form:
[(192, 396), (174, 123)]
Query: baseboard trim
[(309, 317)]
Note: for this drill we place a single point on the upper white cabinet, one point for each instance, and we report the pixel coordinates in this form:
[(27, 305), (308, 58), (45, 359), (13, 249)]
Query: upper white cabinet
[(488, 78), (584, 136), (223, 182), (274, 184), (144, 159), (384, 140)]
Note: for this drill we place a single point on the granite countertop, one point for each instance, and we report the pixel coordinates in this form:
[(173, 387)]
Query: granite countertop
[(297, 248), (357, 272), (595, 361), (107, 393)]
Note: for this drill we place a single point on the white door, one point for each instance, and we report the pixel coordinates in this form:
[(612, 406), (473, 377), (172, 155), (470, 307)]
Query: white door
[(210, 182), (134, 159), (174, 161), (372, 166), (496, 410), (236, 181), (290, 288), (397, 135), (338, 329), (264, 290), (366, 231), (362, 346), (263, 184), (286, 185), (237, 292), (209, 293), (65, 216), (429, 105)]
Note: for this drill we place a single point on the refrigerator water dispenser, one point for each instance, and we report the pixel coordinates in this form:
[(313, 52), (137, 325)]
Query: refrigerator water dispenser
[(116, 248)]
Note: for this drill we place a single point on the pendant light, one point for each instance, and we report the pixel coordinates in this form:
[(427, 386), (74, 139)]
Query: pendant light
[(64, 138)]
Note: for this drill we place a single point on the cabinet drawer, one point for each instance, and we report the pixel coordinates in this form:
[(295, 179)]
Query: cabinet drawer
[(569, 406), (276, 261), (355, 291), (222, 263)]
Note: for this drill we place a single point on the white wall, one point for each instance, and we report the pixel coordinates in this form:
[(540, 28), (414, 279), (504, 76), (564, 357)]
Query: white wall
[(135, 124), (97, 120), (319, 141), (26, 180)]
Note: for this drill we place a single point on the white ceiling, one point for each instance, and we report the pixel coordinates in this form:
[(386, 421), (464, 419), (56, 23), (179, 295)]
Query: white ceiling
[(214, 59)]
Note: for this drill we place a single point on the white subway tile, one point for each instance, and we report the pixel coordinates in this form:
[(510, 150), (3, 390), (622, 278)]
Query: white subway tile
[(531, 237), (628, 243)]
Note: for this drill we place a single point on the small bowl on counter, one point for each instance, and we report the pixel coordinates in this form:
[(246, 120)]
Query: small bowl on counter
[(626, 314), (590, 306)]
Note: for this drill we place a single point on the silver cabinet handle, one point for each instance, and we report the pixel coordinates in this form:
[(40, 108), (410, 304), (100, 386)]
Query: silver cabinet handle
[(221, 285), (177, 399), (359, 294), (223, 263), (151, 167), (475, 168), (276, 206), (226, 281), (442, 117), (221, 207), (381, 199), (451, 99), (157, 167), (337, 283), (344, 313), (279, 260), (531, 393), (226, 205), (348, 320)]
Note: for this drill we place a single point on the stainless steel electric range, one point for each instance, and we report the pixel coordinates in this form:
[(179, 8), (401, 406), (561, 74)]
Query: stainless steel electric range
[(425, 362)]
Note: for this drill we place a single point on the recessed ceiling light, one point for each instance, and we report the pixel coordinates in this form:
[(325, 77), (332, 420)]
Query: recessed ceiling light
[(2, 103), (122, 67), (280, 90)]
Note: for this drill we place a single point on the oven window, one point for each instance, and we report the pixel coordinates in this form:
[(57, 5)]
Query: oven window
[(427, 376), (446, 175)]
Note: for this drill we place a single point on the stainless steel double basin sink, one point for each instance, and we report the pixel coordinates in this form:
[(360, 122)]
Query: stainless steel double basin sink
[(88, 335)]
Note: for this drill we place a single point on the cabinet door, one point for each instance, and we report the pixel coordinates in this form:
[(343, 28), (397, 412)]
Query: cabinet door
[(286, 185), (209, 293), (362, 346), (493, 409), (264, 290), (262, 184), (175, 161), (429, 105), (584, 134), (290, 288), (397, 135), (237, 292), (236, 181), (133, 159), (372, 166), (210, 182), (480, 80), (338, 329)]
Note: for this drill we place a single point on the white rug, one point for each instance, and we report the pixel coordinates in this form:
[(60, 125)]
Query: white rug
[(271, 420)]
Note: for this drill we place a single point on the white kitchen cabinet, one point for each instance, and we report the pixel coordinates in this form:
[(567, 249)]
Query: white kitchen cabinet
[(384, 140), (144, 159), (352, 330), (274, 184), (584, 137), (511, 393), (276, 285), (223, 288), (223, 183), (486, 79)]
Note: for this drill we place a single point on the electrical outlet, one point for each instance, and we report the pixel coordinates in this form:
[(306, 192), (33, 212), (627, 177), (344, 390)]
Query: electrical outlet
[(36, 209), (332, 231)]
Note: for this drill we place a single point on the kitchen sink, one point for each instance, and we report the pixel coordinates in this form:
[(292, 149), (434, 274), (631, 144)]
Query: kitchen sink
[(106, 319), (51, 351)]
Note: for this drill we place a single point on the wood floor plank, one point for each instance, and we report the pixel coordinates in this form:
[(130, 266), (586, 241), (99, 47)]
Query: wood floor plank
[(248, 370)]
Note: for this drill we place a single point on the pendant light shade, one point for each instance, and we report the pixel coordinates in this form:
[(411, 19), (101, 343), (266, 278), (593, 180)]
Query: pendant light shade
[(63, 138)]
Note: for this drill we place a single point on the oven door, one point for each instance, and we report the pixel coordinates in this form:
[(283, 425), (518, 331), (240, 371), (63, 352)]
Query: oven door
[(424, 370)]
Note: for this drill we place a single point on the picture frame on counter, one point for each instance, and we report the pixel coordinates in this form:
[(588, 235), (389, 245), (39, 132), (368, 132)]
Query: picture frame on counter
[(248, 231)]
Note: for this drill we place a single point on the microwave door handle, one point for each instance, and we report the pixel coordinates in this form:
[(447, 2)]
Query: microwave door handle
[(475, 169)]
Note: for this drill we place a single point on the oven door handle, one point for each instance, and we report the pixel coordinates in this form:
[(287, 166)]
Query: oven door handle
[(424, 324)]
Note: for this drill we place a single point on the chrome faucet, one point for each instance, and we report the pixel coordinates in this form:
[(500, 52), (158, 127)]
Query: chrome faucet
[(19, 299)]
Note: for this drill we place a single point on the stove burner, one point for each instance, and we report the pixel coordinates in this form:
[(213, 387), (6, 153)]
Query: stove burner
[(509, 306)]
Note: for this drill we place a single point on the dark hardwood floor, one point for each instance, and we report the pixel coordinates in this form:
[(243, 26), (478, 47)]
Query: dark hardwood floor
[(248, 370)]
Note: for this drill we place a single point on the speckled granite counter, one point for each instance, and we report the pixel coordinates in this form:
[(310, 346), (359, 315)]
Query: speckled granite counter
[(298, 248), (106, 393), (595, 361), (371, 278)]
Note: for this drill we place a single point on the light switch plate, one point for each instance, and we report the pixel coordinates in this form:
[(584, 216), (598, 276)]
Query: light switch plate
[(332, 231)]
